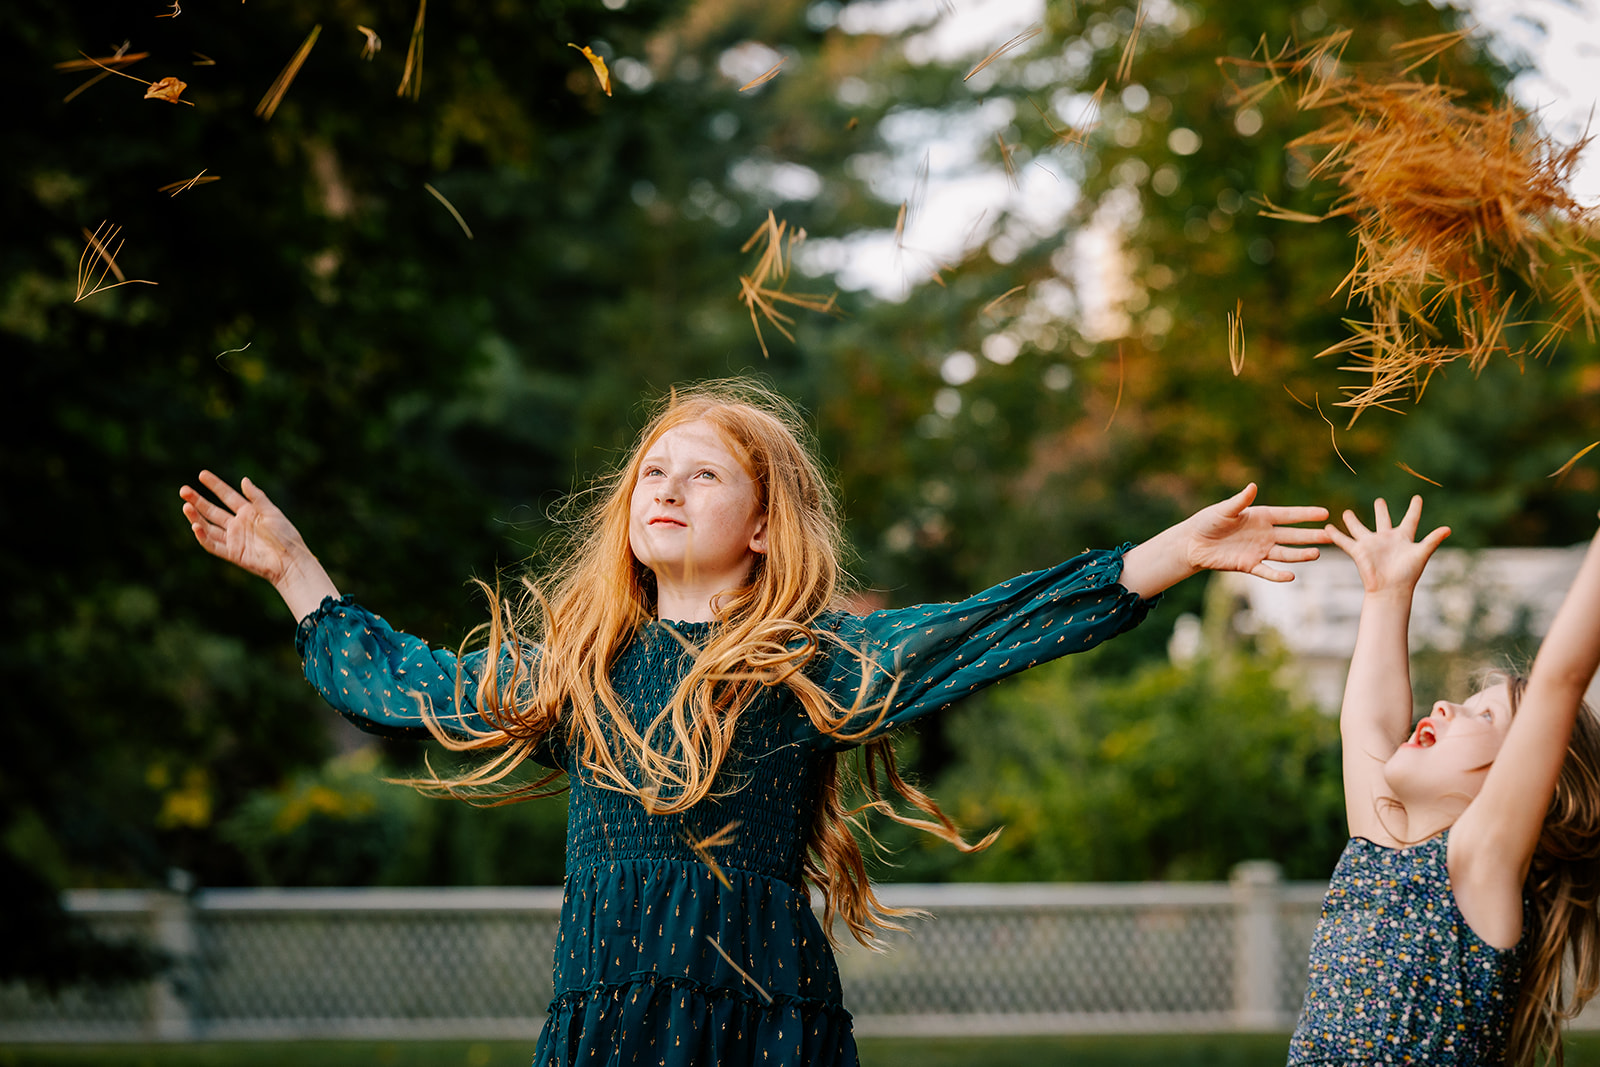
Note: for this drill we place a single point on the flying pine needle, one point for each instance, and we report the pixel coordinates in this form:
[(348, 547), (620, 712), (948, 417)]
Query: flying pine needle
[(167, 89), (411, 77), (1125, 64), (762, 79), (269, 103), (184, 186), (1118, 405), (203, 60), (601, 71), (1236, 337), (1568, 465), (1414, 474), (97, 243), (448, 206), (1005, 157), (1020, 39), (741, 971), (777, 243), (997, 301), (1332, 433), (702, 848), (372, 45)]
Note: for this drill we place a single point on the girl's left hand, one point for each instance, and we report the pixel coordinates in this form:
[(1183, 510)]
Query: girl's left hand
[(1233, 536), (1227, 536)]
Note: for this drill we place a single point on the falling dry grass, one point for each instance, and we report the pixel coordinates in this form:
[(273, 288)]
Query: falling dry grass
[(1414, 474), (1463, 217), (740, 970), (448, 206), (702, 848), (762, 79), (411, 77), (168, 89), (1016, 42), (269, 103), (189, 183), (1236, 337), (98, 253), (1076, 135), (762, 289), (1125, 64), (1569, 464)]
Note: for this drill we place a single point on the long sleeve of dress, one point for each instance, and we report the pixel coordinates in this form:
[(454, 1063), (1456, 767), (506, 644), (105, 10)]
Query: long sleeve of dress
[(922, 659), (373, 674)]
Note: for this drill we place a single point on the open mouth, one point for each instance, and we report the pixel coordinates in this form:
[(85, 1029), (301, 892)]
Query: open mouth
[(1425, 736)]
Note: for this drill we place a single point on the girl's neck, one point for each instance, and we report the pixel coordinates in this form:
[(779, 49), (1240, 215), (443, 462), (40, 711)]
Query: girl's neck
[(695, 599)]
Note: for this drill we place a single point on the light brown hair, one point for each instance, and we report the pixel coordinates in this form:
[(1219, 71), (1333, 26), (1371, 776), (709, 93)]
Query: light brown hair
[(560, 651), (1563, 890)]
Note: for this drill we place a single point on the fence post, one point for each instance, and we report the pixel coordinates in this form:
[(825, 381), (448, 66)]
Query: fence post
[(1256, 950), (172, 927)]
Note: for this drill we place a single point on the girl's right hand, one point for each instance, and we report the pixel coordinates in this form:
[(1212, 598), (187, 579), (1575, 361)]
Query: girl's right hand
[(1389, 557), (247, 530)]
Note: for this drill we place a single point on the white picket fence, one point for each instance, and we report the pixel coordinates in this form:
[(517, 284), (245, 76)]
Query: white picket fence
[(475, 963)]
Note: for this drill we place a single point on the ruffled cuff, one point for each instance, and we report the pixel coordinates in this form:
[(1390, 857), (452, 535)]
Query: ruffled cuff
[(1115, 557), (308, 625)]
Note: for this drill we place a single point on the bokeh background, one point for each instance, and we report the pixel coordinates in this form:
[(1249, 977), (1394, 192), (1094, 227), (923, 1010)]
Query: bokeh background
[(421, 403)]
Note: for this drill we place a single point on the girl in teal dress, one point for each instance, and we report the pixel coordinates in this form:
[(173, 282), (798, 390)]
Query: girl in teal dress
[(692, 678), (1473, 869)]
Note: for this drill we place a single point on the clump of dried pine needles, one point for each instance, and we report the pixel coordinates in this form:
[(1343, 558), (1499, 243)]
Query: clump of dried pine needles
[(1463, 216), (98, 253), (762, 289)]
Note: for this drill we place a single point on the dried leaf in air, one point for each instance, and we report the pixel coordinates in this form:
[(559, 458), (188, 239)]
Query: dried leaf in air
[(168, 89), (601, 71)]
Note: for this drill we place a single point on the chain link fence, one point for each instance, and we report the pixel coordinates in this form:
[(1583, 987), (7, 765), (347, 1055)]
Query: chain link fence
[(475, 963)]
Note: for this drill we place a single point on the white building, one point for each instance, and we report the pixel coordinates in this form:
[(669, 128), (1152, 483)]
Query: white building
[(1476, 597)]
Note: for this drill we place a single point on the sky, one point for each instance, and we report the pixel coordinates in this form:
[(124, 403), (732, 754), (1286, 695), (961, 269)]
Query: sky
[(939, 160)]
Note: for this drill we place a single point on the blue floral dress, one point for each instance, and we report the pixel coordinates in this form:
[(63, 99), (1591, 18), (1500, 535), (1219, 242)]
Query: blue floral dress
[(659, 960), (1397, 975)]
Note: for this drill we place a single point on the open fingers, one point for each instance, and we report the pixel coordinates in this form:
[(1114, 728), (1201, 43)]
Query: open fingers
[(1435, 538), (1353, 524), (1413, 517), (1280, 515), (1341, 539), (224, 492), (197, 506), (1380, 515), (1302, 535)]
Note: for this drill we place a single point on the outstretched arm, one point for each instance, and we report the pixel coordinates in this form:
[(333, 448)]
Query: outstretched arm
[(1227, 536), (1375, 718), (1502, 824), (249, 531)]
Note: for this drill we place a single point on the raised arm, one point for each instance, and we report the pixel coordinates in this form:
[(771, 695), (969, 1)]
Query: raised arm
[(1502, 824), (249, 531), (1375, 718), (1227, 536)]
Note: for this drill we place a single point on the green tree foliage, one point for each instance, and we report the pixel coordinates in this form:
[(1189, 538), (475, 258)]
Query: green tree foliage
[(417, 400)]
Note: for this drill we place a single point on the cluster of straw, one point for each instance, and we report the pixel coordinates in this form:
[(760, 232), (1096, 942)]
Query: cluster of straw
[(762, 289), (1463, 218)]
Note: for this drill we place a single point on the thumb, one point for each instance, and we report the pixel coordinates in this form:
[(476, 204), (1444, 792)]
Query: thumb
[(1235, 504)]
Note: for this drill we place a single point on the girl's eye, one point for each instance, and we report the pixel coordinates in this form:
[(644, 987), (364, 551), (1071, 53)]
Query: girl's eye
[(707, 474)]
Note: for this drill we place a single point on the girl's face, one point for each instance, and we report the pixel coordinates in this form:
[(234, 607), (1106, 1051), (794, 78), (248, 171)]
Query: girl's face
[(694, 513), (1449, 751)]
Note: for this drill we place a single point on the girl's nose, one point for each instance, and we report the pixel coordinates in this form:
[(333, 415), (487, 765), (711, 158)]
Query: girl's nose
[(1444, 709), (667, 491)]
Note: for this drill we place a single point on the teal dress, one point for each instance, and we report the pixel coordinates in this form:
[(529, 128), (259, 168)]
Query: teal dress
[(1397, 976), (659, 961)]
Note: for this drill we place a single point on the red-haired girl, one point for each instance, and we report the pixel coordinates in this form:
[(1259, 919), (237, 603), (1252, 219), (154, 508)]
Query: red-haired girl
[(692, 676)]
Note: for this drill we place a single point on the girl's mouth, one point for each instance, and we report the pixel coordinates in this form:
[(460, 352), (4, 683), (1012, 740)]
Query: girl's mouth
[(1425, 737)]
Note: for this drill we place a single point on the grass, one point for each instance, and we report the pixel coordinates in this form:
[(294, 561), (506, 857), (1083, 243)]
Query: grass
[(1167, 1050)]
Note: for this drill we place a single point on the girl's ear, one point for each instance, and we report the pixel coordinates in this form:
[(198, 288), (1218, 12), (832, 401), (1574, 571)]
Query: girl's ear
[(758, 540)]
